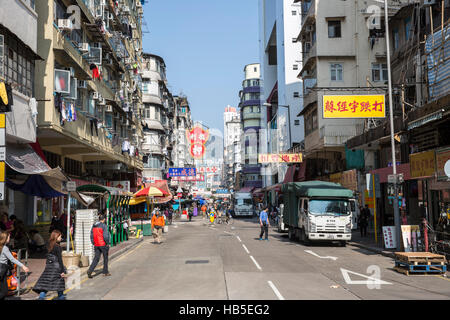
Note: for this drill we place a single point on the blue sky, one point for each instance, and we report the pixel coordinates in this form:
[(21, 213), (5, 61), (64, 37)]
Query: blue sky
[(205, 44)]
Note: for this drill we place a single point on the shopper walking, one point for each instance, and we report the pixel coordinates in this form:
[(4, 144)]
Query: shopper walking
[(52, 279), (100, 238), (264, 222), (363, 220), (191, 213), (157, 227), (6, 263)]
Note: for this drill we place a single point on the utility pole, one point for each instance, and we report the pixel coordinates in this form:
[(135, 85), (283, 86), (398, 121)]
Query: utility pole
[(391, 116)]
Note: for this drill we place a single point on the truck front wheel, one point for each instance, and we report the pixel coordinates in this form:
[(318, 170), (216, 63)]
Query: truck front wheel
[(343, 243), (291, 233), (304, 237)]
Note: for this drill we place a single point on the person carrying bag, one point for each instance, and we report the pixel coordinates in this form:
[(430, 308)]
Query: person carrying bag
[(158, 224)]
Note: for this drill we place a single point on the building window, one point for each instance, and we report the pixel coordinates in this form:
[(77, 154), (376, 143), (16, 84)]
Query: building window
[(18, 64), (334, 29), (396, 39), (296, 95), (53, 159), (295, 67), (336, 72), (296, 122), (311, 123), (294, 13), (379, 72), (294, 40), (408, 28), (72, 167)]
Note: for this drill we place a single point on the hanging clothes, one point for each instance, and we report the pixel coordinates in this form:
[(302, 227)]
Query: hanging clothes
[(125, 147), (132, 151)]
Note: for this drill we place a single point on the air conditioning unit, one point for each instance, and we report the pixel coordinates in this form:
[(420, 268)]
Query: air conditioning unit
[(133, 26), (103, 2), (109, 108), (126, 9), (84, 47), (82, 84), (101, 101), (95, 95), (138, 4), (65, 24)]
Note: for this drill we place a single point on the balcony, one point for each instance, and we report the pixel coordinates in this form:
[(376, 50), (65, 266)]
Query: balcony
[(308, 14), (152, 148), (310, 54), (310, 97), (251, 115)]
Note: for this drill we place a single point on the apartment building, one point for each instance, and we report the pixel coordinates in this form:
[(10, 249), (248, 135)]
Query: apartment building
[(18, 56), (418, 35), (251, 124), (341, 56), (89, 88), (232, 145), (281, 61), (158, 118)]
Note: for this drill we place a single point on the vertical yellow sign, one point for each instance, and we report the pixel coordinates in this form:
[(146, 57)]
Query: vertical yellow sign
[(2, 171)]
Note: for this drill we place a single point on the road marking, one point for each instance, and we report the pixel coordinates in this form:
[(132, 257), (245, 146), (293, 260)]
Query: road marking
[(239, 239), (369, 281), (277, 293), (246, 249), (256, 263), (315, 254), (443, 278)]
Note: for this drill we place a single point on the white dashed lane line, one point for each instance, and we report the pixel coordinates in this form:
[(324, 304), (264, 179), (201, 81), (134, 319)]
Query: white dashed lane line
[(256, 263), (245, 248), (275, 290)]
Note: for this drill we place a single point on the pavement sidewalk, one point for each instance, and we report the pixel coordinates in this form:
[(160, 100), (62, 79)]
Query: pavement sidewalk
[(369, 243), (37, 265)]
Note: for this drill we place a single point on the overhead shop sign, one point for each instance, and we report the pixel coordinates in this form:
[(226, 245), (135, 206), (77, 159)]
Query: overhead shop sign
[(197, 138), (2, 155), (280, 158), (354, 106), (182, 172), (422, 164), (198, 177)]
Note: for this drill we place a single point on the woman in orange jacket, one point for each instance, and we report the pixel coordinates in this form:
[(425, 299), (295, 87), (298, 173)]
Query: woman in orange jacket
[(158, 224)]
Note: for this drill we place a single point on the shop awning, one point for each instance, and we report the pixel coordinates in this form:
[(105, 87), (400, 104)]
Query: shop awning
[(44, 181), (385, 172)]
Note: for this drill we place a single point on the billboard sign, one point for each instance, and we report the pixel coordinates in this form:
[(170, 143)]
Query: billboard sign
[(280, 158), (354, 106), (182, 172)]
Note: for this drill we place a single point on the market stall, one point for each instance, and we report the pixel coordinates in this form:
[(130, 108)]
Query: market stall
[(116, 203)]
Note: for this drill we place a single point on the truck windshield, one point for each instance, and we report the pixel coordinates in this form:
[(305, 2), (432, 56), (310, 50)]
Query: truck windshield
[(240, 202), (329, 207)]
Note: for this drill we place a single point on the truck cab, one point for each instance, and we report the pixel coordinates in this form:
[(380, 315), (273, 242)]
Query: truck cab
[(243, 205), (318, 211)]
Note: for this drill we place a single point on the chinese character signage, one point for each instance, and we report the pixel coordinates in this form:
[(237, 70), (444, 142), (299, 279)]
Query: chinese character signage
[(182, 172), (389, 237), (197, 138), (442, 156), (360, 106), (280, 158), (422, 164), (208, 169), (198, 177)]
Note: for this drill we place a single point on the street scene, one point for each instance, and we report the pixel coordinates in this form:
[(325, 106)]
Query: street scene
[(258, 150)]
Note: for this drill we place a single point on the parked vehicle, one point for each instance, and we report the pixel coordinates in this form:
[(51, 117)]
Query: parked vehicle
[(243, 204), (317, 210)]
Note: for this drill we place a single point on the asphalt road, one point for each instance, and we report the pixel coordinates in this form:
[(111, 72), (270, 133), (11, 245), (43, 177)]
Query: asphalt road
[(229, 262)]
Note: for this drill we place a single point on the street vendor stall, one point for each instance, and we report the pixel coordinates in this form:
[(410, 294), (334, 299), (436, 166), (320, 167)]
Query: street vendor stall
[(116, 203)]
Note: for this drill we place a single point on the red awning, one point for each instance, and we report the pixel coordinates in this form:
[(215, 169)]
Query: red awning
[(300, 173), (385, 172)]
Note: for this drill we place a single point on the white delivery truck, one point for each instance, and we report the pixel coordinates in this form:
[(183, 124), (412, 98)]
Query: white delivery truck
[(317, 210), (243, 204), (281, 226)]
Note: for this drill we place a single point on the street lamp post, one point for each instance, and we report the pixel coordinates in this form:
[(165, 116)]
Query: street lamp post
[(391, 116)]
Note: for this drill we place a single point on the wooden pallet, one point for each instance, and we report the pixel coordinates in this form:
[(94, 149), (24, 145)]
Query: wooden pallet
[(420, 269), (420, 258)]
